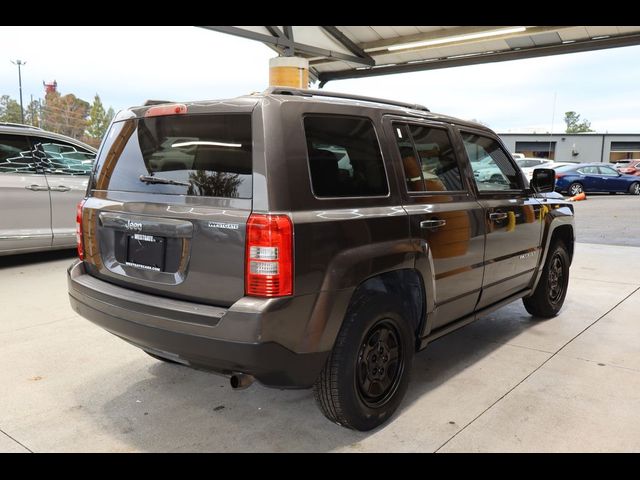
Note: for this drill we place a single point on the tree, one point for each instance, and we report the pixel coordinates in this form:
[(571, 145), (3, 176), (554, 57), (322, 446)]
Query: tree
[(65, 114), (574, 125), (9, 110), (33, 113), (99, 120)]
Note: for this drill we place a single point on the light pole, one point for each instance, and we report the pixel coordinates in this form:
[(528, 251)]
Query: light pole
[(19, 63)]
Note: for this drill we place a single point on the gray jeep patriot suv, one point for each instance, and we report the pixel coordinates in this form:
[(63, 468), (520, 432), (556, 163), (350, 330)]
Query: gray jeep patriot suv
[(310, 239)]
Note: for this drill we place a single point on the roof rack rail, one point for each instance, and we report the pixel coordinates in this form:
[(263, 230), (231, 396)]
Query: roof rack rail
[(19, 125), (155, 102), (322, 93)]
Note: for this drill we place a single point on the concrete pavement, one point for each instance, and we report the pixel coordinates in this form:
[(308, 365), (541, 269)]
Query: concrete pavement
[(504, 383)]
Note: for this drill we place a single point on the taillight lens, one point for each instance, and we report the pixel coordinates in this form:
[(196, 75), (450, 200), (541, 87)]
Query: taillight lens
[(558, 175), (79, 239), (269, 256)]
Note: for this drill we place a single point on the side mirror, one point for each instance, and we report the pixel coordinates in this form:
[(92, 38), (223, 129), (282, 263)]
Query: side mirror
[(544, 180)]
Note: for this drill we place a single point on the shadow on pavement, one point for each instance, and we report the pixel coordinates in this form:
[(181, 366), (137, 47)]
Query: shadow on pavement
[(8, 261), (165, 407)]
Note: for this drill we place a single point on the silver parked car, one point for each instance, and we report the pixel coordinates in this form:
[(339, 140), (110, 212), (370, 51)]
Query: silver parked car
[(43, 176)]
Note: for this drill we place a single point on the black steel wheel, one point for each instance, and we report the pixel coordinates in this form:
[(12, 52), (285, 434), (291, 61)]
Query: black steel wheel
[(548, 297), (367, 373), (380, 364)]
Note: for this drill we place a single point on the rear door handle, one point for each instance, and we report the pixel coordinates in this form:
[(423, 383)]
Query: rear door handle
[(60, 188), (495, 216), (36, 188), (433, 223)]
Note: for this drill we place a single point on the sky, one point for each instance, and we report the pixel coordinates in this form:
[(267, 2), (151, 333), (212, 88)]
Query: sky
[(128, 65)]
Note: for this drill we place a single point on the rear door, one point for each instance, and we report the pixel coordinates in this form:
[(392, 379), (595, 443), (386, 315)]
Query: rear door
[(512, 219), (25, 213), (67, 169), (183, 238), (444, 215), (591, 179)]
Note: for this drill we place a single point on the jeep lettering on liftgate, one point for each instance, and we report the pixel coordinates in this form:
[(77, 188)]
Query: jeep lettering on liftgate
[(361, 230)]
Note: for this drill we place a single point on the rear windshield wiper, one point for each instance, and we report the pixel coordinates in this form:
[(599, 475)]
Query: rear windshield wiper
[(164, 181)]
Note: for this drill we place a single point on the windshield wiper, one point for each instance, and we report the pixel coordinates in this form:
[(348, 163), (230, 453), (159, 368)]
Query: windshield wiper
[(164, 181)]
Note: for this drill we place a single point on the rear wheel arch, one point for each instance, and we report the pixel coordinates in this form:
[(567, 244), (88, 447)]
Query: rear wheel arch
[(406, 285)]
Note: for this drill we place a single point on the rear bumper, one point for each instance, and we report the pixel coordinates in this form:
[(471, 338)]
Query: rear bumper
[(202, 336)]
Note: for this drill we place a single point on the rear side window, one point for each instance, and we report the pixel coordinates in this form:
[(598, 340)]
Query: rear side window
[(428, 159), (344, 157), (206, 155)]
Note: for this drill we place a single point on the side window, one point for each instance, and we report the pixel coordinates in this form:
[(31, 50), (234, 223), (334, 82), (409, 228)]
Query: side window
[(344, 157), (589, 171), (491, 167), (427, 158), (608, 171), (63, 158), (15, 155)]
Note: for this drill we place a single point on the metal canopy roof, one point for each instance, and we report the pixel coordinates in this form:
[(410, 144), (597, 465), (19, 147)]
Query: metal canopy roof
[(362, 51)]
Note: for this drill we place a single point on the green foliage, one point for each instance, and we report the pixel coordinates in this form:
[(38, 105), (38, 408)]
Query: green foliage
[(65, 114), (574, 125), (98, 119), (9, 110), (33, 113)]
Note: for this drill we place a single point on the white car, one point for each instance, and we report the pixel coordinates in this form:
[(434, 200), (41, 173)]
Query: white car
[(528, 165)]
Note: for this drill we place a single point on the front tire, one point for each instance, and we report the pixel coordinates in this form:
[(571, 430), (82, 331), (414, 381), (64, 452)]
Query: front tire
[(367, 373), (548, 297), (634, 188)]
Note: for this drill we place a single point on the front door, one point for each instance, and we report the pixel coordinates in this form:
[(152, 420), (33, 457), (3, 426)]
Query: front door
[(612, 180), (444, 217), (512, 219), (25, 221)]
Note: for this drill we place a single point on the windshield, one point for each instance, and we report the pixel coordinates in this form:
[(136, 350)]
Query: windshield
[(201, 155)]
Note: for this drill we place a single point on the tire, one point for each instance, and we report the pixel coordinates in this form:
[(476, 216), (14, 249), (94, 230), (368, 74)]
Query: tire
[(355, 389), (634, 188), (575, 188), (548, 297)]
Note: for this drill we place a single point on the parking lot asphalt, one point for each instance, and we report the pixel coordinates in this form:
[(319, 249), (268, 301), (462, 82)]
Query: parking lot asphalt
[(503, 383), (608, 219)]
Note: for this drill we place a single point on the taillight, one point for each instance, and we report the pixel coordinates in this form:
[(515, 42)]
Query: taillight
[(79, 239), (171, 109), (558, 175), (268, 256)]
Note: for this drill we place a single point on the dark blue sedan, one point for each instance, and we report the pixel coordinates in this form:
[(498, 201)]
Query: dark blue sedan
[(594, 177)]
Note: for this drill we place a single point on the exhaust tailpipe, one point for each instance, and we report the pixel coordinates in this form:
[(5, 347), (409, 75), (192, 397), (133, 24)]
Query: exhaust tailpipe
[(241, 381)]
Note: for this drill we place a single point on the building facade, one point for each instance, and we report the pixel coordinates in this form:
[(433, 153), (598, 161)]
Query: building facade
[(575, 147)]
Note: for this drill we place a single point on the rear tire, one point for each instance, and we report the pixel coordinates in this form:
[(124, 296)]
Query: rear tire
[(634, 188), (549, 295), (367, 373), (575, 189)]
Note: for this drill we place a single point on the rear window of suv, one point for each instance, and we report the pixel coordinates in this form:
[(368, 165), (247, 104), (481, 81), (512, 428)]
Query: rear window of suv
[(344, 157), (208, 155)]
